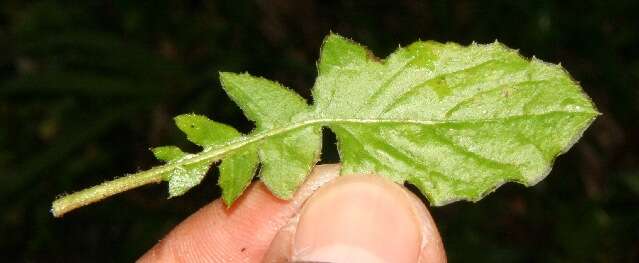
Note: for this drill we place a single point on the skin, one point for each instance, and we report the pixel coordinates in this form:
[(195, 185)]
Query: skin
[(351, 218)]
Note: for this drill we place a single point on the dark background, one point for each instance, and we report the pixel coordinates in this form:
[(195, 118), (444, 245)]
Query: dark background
[(87, 86)]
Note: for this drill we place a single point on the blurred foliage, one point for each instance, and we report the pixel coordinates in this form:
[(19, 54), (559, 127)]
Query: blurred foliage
[(87, 86)]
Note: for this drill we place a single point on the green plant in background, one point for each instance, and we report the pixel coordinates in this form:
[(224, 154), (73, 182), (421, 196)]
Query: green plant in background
[(454, 121)]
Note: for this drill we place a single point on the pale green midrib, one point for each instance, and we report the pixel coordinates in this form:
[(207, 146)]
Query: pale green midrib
[(217, 153), (156, 174)]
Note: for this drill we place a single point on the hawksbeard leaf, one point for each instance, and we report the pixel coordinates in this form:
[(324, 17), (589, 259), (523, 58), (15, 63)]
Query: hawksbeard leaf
[(455, 121)]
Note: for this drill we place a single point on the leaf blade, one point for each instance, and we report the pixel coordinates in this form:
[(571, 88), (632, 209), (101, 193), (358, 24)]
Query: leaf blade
[(288, 158), (168, 153), (267, 103), (183, 178), (440, 90), (236, 173), (205, 132)]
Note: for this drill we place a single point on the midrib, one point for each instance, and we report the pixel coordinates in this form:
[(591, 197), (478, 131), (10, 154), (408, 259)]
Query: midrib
[(214, 154)]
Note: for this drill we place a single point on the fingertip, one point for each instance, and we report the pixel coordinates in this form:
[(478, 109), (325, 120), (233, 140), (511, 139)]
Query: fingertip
[(432, 246), (360, 219)]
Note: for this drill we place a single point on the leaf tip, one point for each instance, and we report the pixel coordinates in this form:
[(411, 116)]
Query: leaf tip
[(225, 75), (167, 153), (228, 200), (332, 35), (182, 118), (339, 52)]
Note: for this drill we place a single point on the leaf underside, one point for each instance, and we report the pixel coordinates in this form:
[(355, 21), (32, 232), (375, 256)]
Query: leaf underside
[(455, 121)]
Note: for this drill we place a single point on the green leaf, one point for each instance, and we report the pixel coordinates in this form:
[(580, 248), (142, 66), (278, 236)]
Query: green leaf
[(339, 53), (236, 174), (236, 171), (205, 132), (168, 153), (288, 158), (267, 103), (455, 121), (183, 178)]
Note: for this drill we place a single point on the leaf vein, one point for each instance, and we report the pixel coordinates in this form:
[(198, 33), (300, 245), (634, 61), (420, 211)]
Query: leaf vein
[(411, 89), (461, 103)]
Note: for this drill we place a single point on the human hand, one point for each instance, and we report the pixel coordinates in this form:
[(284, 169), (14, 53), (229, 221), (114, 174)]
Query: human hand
[(330, 219)]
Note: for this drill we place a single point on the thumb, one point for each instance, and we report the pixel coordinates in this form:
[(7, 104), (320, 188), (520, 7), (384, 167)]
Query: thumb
[(359, 218)]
